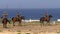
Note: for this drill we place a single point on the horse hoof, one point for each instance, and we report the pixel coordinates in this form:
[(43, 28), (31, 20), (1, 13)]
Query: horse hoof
[(13, 25)]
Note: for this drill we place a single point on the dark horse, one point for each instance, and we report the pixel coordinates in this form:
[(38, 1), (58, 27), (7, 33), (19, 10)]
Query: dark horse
[(47, 19), (15, 19), (4, 22)]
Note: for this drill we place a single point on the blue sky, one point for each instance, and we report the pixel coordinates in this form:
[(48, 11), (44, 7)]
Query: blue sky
[(30, 3)]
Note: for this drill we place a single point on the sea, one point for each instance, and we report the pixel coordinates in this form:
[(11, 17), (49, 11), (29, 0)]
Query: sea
[(32, 13)]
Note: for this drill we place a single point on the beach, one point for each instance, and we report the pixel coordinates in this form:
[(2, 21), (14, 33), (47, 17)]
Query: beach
[(30, 28), (29, 16)]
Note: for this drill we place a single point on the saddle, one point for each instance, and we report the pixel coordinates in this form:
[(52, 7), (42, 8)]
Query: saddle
[(46, 18)]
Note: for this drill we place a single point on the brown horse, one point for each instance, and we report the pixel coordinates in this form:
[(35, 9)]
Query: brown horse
[(4, 22), (15, 19), (47, 19)]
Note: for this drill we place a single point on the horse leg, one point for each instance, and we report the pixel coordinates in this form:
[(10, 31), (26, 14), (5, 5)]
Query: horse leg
[(19, 23), (4, 25), (13, 23), (42, 22), (48, 22)]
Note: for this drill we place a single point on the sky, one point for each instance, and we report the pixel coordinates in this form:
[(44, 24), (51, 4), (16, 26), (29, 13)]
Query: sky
[(29, 4)]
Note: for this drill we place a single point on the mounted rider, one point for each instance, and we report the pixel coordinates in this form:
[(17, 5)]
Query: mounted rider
[(4, 19), (46, 15), (18, 15), (4, 15)]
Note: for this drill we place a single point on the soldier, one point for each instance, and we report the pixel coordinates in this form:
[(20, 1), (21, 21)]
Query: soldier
[(18, 15), (4, 19), (46, 14)]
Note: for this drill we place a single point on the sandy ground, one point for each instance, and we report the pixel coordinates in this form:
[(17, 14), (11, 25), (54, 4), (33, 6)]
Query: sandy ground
[(32, 28)]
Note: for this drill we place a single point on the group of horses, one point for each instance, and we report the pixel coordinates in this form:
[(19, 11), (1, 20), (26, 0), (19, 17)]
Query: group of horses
[(19, 19), (14, 19)]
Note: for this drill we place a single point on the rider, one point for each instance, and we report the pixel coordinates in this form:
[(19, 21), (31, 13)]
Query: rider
[(46, 14), (4, 15), (18, 16)]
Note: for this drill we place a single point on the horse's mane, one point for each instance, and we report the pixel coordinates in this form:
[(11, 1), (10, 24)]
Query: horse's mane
[(12, 18), (50, 16)]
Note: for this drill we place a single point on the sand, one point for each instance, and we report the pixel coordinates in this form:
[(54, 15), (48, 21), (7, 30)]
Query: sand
[(32, 28)]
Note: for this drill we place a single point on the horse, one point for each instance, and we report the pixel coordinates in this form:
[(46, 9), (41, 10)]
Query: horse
[(4, 22), (15, 19), (47, 19)]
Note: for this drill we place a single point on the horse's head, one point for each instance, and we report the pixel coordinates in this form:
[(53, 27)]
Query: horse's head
[(22, 17), (50, 16)]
